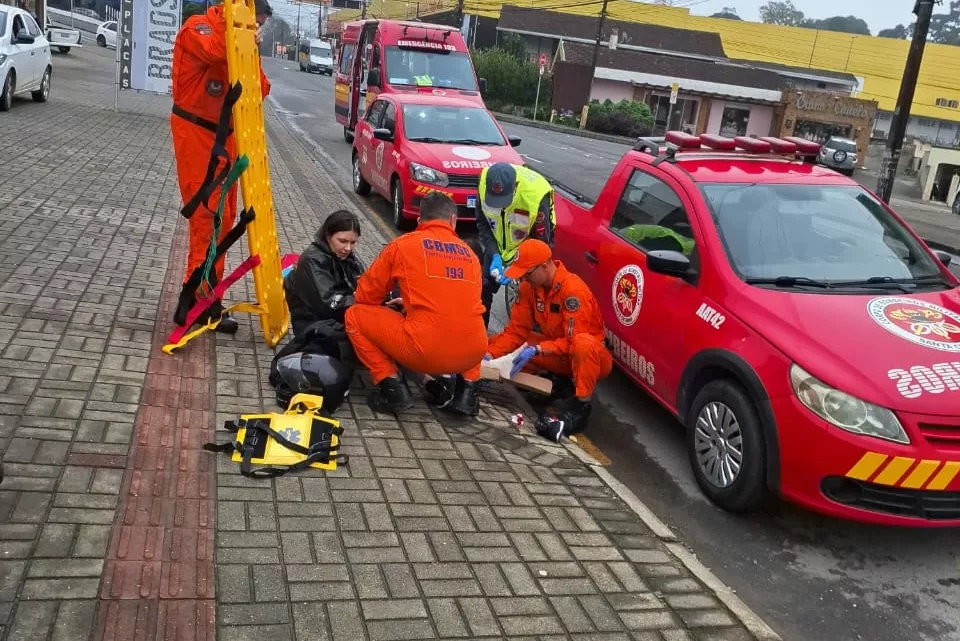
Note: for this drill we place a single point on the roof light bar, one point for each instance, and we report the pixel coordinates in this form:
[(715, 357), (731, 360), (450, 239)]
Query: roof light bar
[(753, 145), (718, 142), (780, 146), (804, 147), (683, 140)]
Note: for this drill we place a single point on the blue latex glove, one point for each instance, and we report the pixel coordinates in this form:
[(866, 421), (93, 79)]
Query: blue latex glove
[(522, 359), (496, 267), (487, 357)]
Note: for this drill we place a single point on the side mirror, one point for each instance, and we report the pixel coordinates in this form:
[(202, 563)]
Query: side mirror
[(514, 140), (373, 77), (25, 39), (944, 257), (668, 262), (382, 134), (483, 86)]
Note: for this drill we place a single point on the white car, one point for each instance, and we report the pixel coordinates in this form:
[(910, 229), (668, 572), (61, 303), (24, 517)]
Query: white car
[(63, 38), (25, 61), (107, 34)]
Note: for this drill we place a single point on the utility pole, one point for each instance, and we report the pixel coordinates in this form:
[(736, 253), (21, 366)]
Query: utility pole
[(459, 13), (363, 11), (901, 115), (596, 48), (299, 4)]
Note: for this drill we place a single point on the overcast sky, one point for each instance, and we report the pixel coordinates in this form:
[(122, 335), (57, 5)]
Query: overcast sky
[(879, 14)]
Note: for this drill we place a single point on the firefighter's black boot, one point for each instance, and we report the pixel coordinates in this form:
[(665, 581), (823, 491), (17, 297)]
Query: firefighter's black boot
[(186, 302), (227, 324), (466, 399), (440, 390), (390, 395), (571, 419)]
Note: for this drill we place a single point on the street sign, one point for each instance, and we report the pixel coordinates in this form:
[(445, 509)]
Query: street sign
[(543, 60), (674, 90)]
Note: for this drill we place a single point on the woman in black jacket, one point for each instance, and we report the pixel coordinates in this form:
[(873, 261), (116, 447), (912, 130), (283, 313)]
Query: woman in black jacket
[(321, 285)]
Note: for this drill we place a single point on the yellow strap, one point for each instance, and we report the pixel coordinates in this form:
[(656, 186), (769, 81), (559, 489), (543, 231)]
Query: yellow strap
[(248, 308)]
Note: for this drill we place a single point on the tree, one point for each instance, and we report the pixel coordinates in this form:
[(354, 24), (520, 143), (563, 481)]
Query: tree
[(730, 13), (781, 12), (843, 24), (899, 32), (512, 45)]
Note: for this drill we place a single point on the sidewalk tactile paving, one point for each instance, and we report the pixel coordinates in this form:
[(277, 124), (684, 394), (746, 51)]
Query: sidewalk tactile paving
[(115, 524)]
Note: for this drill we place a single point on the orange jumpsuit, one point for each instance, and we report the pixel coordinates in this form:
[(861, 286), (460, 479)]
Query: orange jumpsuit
[(572, 331), (442, 330), (200, 82)]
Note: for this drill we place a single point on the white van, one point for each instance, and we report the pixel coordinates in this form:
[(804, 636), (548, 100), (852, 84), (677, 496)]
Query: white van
[(316, 55)]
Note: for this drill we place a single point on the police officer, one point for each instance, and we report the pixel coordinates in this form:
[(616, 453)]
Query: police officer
[(514, 203), (571, 337)]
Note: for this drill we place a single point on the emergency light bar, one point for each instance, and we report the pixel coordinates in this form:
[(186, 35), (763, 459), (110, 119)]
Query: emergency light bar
[(678, 141)]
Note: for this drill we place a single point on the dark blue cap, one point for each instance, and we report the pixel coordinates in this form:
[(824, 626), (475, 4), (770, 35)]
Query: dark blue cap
[(501, 184)]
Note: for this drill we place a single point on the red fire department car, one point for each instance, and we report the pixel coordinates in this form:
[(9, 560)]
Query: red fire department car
[(410, 145), (805, 336)]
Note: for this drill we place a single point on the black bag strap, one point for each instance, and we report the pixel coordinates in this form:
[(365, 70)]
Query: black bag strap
[(219, 151), (196, 277)]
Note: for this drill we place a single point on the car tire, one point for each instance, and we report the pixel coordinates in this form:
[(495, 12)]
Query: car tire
[(63, 49), (43, 93), (360, 185), (6, 94), (722, 425), (396, 200), (347, 135), (101, 41)]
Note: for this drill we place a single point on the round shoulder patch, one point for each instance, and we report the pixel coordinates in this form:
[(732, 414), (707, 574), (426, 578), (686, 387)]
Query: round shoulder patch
[(571, 303), (203, 28)]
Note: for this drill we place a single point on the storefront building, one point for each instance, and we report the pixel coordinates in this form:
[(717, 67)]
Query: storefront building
[(817, 116)]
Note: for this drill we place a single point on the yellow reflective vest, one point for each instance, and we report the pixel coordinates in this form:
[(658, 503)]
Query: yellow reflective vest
[(512, 226)]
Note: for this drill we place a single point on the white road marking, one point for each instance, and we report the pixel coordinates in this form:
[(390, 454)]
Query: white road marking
[(531, 158)]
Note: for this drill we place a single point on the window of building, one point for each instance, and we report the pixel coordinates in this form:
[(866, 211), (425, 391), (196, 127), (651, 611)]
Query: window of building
[(949, 104), (734, 121), (681, 117)]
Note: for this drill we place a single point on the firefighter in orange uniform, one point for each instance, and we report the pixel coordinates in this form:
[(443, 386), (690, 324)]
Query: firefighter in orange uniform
[(571, 338), (440, 329), (200, 82)]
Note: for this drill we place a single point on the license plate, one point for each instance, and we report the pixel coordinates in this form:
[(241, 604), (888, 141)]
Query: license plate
[(471, 201)]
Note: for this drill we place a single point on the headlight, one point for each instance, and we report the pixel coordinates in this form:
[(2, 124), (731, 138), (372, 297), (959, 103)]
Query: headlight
[(424, 174), (3, 58), (845, 411)]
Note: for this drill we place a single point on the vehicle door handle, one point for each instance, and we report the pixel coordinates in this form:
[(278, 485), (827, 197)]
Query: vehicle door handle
[(591, 257)]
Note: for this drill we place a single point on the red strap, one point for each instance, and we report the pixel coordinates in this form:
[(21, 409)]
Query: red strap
[(203, 304)]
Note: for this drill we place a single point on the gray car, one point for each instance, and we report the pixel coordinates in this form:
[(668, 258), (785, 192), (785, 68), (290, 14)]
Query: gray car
[(839, 154)]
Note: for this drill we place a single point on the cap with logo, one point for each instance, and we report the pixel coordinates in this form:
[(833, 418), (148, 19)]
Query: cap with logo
[(530, 253), (501, 185)]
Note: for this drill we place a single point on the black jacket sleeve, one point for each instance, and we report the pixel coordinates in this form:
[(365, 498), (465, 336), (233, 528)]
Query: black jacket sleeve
[(543, 226), (321, 286), (485, 234)]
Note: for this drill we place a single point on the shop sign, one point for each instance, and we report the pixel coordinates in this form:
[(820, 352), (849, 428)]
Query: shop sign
[(839, 108), (147, 33)]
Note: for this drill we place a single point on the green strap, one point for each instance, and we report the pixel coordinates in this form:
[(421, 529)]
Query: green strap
[(238, 168)]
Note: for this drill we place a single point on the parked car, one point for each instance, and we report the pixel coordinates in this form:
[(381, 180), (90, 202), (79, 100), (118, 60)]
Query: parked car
[(107, 34), (839, 154), (25, 64), (62, 38), (409, 145), (804, 335)]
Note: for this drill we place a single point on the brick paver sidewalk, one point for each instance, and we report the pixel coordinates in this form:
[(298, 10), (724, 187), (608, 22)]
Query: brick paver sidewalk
[(114, 524)]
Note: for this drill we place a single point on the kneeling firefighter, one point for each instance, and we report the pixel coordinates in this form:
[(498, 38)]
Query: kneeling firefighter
[(200, 88)]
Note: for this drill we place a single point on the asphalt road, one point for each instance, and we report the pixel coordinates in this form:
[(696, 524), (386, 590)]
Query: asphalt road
[(808, 577)]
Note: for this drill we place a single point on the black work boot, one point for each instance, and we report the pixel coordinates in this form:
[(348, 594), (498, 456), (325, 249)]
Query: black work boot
[(440, 390), (186, 302), (227, 324), (571, 419), (466, 399), (391, 395)]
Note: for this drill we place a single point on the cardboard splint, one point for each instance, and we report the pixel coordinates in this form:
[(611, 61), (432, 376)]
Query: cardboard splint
[(498, 369)]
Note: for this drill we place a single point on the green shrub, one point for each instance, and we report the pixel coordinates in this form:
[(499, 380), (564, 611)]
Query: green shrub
[(625, 118), (512, 82)]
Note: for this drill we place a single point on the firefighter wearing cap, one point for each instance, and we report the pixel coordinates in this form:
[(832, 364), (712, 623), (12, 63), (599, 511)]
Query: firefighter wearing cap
[(200, 82), (440, 330), (514, 203), (571, 337)]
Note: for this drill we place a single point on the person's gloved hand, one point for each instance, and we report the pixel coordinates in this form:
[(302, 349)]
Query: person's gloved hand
[(487, 357), (496, 267), (522, 359)]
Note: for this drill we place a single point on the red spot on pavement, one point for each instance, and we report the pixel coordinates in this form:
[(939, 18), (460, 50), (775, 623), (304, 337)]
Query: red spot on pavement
[(158, 581)]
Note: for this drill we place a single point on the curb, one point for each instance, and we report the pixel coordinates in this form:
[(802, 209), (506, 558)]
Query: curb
[(942, 247), (517, 120), (754, 624)]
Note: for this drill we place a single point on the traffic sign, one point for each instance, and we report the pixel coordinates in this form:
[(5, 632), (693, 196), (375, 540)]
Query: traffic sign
[(674, 90), (543, 60)]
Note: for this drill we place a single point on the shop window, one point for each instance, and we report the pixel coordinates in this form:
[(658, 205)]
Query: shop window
[(681, 117), (820, 132), (734, 121)]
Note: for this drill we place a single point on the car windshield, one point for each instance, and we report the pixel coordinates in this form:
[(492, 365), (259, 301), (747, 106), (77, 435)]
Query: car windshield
[(828, 234), (320, 52), (452, 125), (449, 70), (842, 145)]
